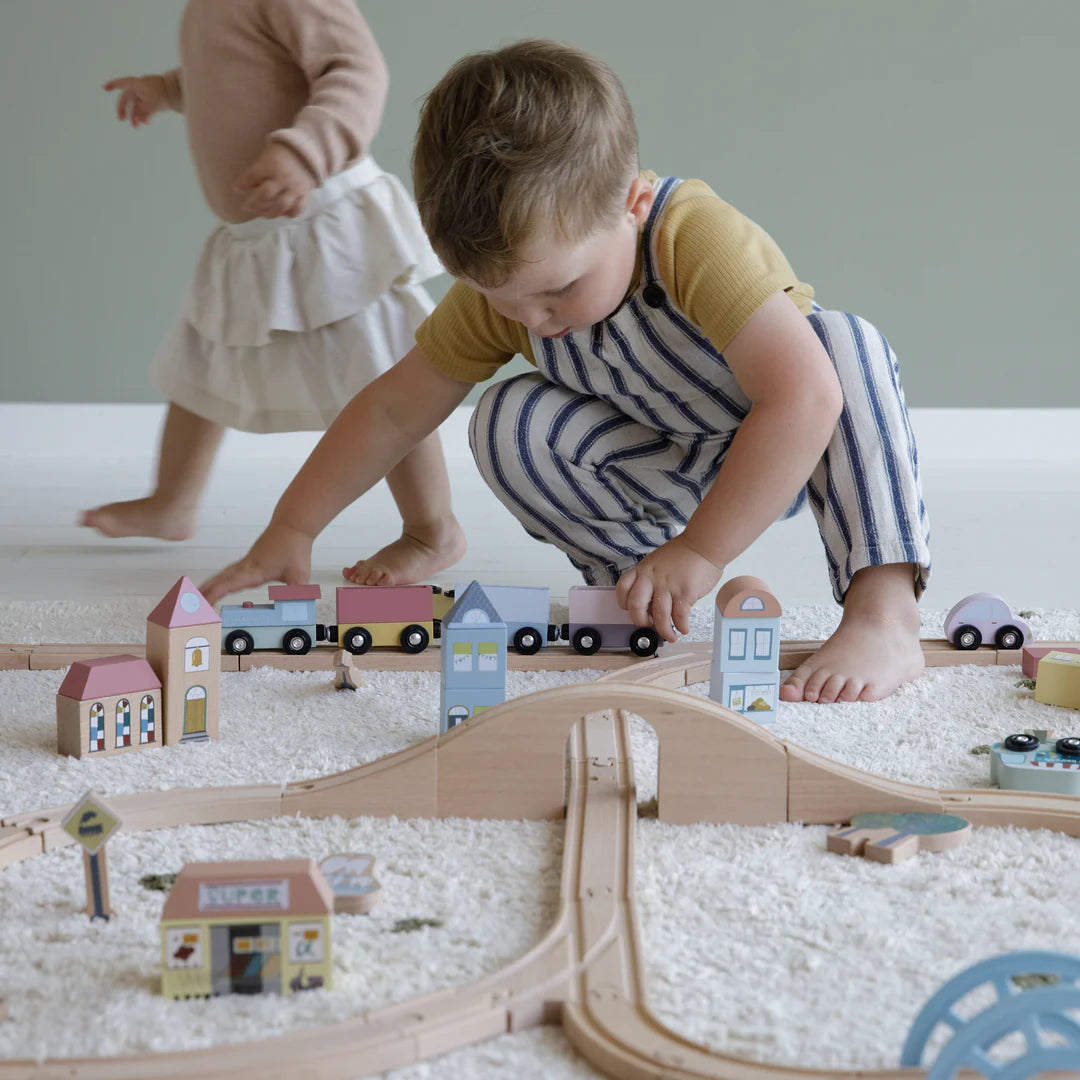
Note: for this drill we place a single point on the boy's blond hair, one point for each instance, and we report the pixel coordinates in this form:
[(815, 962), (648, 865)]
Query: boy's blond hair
[(535, 134)]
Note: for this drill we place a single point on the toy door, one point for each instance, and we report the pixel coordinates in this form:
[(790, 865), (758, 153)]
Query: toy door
[(195, 712), (247, 958)]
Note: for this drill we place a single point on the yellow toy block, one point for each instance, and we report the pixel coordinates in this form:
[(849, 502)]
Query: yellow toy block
[(1057, 681)]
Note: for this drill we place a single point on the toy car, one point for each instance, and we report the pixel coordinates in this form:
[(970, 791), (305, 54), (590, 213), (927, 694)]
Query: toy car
[(1034, 761), (984, 616)]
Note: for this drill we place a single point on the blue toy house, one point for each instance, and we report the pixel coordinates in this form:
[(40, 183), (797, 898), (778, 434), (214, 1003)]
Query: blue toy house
[(745, 674), (473, 658)]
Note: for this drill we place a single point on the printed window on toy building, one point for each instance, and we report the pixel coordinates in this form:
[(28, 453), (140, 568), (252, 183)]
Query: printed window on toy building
[(197, 654), (146, 719), (123, 722), (762, 644), (737, 645), (463, 656), (489, 656), (97, 727)]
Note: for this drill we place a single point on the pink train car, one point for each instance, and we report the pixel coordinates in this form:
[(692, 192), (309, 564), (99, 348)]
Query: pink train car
[(597, 622), (397, 615)]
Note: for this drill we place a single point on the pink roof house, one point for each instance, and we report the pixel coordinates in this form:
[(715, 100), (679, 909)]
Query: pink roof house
[(108, 705)]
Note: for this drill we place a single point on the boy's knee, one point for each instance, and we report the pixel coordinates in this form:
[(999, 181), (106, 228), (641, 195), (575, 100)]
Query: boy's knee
[(854, 344)]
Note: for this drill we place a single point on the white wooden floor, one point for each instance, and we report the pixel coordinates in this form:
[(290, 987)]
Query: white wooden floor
[(1002, 487)]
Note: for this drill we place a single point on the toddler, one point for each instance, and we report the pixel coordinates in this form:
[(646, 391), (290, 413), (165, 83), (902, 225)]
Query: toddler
[(688, 391), (310, 287)]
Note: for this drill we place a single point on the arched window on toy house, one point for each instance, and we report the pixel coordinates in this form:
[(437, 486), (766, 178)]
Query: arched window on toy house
[(197, 654), (97, 727), (123, 722), (146, 719)]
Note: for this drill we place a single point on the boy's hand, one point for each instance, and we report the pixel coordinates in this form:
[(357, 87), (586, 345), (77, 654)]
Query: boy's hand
[(662, 587), (140, 97), (277, 182), (280, 554)]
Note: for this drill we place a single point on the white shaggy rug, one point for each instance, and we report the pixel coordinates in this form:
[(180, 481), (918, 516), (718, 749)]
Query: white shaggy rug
[(757, 942)]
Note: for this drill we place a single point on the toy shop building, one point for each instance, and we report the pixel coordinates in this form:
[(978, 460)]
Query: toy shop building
[(246, 928)]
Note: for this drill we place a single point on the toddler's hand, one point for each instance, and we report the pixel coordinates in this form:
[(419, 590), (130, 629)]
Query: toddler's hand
[(277, 182), (662, 587), (280, 554), (140, 97)]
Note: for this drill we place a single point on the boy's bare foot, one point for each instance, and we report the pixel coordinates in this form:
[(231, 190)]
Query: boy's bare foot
[(417, 554), (874, 649), (140, 517)]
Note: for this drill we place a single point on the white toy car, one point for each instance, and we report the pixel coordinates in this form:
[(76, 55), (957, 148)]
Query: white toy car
[(984, 616)]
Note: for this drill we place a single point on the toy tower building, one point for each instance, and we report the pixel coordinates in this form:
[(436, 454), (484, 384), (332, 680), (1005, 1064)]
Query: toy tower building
[(473, 658), (745, 672), (183, 646)]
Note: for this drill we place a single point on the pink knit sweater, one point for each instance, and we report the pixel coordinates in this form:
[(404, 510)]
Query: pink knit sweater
[(306, 73)]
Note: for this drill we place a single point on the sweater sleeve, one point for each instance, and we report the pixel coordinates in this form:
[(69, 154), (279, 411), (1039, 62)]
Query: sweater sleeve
[(347, 80), (467, 339), (174, 90)]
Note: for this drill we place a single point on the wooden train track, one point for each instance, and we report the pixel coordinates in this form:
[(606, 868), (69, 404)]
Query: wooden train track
[(937, 652), (587, 972)]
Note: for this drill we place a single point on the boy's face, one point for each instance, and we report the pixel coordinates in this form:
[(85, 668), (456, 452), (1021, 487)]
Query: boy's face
[(563, 286)]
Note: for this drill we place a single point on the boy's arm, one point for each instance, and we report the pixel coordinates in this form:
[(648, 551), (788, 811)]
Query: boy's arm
[(371, 435), (347, 81), (796, 398)]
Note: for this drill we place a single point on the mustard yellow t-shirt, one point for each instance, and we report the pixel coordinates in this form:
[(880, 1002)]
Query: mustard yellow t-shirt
[(717, 266)]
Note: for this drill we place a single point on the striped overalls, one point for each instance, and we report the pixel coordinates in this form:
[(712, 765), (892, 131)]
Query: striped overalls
[(609, 447)]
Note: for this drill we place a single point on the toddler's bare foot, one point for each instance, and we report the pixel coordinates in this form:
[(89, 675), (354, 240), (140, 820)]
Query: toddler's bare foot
[(874, 649), (417, 554), (140, 517)]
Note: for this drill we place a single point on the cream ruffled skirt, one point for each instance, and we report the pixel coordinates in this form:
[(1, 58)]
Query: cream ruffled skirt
[(287, 318)]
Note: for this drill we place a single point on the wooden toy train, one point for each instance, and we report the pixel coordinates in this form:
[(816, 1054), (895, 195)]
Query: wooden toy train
[(409, 617)]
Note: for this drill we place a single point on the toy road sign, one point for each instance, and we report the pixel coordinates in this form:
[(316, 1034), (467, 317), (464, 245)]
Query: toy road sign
[(90, 822)]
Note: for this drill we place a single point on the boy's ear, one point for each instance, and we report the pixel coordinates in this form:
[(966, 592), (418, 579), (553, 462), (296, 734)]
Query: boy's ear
[(639, 200)]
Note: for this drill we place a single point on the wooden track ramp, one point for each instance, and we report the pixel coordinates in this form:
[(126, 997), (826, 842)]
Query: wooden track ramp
[(587, 971)]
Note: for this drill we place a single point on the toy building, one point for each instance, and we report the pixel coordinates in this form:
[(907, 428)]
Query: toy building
[(745, 674), (95, 702), (246, 928), (182, 644), (116, 703), (473, 658)]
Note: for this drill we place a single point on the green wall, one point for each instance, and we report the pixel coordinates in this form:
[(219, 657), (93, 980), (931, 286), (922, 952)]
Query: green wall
[(917, 161)]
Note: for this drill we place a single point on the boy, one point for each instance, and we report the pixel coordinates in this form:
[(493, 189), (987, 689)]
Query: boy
[(688, 391)]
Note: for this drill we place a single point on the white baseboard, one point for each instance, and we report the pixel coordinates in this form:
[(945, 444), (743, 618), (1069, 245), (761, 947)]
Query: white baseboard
[(944, 435)]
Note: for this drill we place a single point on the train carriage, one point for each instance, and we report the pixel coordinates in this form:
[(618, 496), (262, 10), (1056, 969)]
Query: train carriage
[(287, 622), (396, 615), (597, 622)]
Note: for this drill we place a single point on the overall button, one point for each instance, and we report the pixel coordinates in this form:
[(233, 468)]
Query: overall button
[(653, 295)]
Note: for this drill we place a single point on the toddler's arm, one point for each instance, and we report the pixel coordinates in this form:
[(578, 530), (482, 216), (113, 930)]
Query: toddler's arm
[(374, 432), (141, 96), (783, 368), (347, 76)]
